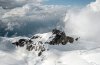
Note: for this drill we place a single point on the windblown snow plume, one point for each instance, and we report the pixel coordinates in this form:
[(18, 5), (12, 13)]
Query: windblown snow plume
[(21, 19), (85, 22)]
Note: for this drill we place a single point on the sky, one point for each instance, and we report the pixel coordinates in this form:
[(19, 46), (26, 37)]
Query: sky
[(69, 2), (26, 17)]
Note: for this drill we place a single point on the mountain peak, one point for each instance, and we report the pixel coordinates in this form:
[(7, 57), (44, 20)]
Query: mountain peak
[(38, 41)]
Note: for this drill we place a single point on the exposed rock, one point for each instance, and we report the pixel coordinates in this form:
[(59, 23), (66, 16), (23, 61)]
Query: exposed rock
[(60, 38), (34, 37), (77, 38), (20, 42), (35, 43)]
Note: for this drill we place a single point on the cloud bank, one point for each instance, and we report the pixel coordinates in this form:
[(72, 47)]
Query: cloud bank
[(85, 22), (34, 17), (30, 18), (9, 4)]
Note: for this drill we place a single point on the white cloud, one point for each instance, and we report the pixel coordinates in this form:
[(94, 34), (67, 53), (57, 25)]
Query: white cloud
[(34, 16), (85, 22), (31, 18), (9, 4), (95, 5), (21, 11)]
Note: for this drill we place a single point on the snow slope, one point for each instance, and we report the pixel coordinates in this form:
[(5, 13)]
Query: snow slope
[(84, 23), (79, 53)]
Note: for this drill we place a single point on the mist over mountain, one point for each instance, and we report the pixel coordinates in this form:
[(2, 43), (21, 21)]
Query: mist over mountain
[(20, 20)]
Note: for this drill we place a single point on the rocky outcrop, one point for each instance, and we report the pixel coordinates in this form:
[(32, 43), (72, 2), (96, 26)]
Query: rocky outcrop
[(37, 44), (60, 38), (20, 42)]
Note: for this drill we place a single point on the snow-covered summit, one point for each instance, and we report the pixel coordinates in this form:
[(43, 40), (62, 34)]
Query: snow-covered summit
[(38, 42)]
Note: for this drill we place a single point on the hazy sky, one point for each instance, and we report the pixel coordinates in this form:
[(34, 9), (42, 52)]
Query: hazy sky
[(69, 2)]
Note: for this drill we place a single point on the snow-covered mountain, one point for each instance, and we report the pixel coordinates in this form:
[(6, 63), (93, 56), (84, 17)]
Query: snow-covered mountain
[(79, 52), (79, 44), (39, 42)]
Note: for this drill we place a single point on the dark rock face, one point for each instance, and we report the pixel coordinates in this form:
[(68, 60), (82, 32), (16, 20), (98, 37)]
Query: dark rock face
[(30, 45), (35, 37), (77, 38), (59, 39), (20, 42)]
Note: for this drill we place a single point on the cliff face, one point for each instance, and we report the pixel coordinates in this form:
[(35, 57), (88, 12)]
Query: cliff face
[(38, 42), (60, 38)]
